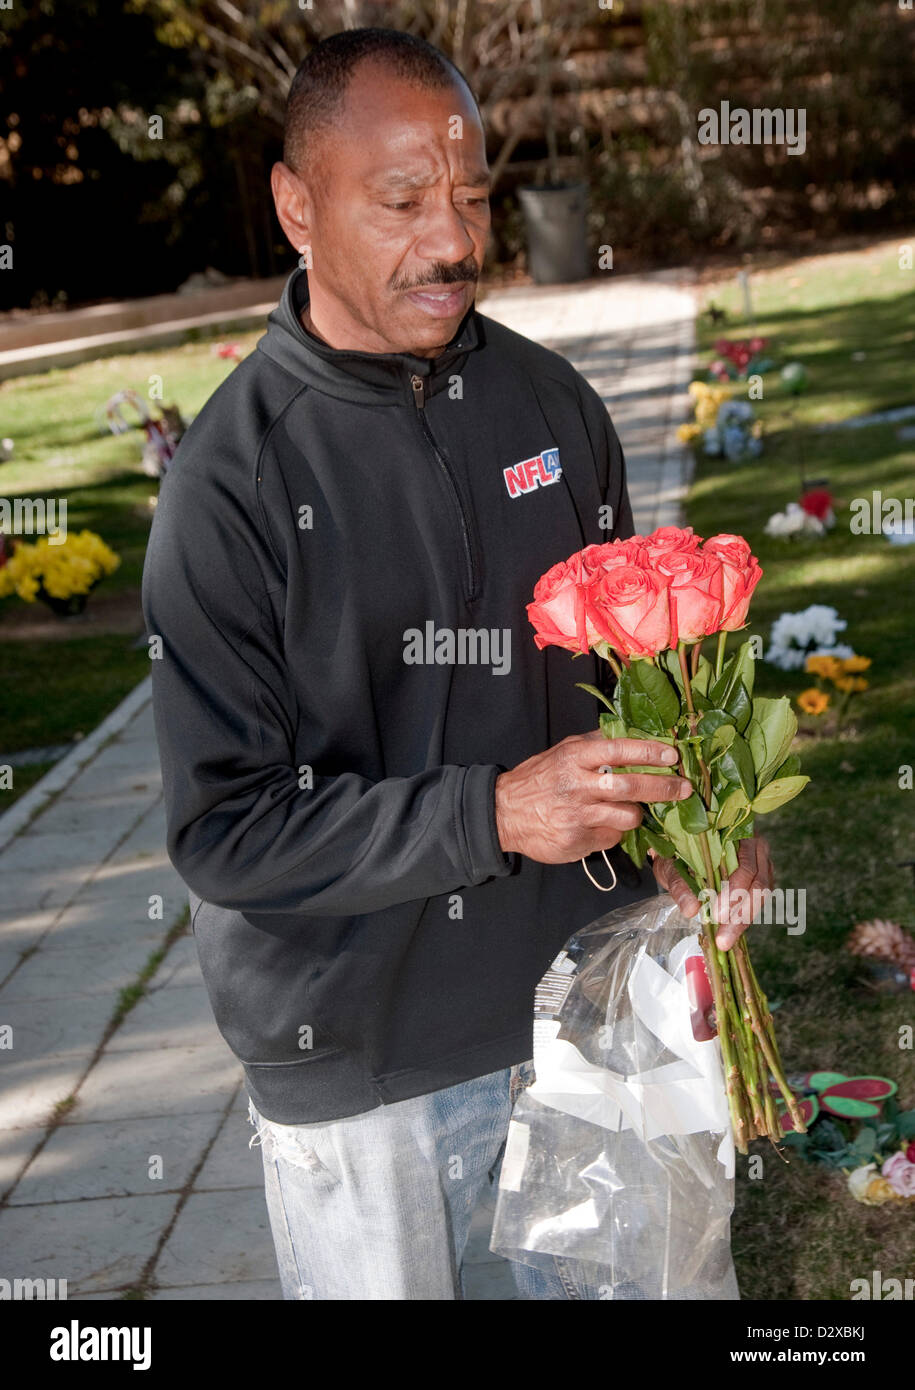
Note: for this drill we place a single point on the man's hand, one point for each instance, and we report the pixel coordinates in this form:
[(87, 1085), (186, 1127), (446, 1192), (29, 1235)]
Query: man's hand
[(558, 806), (754, 874)]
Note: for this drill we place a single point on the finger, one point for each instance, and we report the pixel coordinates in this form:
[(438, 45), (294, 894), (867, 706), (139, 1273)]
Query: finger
[(613, 815), (766, 867), (596, 751), (747, 865), (640, 786), (682, 894)]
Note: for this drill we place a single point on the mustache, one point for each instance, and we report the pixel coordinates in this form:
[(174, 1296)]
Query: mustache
[(445, 275)]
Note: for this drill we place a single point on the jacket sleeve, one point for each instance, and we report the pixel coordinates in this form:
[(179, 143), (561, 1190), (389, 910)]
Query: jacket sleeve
[(242, 832)]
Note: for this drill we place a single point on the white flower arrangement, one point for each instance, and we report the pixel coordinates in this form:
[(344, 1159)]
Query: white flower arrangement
[(812, 632), (794, 521)]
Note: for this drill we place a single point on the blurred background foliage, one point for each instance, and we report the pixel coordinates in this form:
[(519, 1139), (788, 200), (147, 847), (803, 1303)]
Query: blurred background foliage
[(94, 208)]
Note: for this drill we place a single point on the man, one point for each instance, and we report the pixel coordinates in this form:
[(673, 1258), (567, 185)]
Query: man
[(378, 789)]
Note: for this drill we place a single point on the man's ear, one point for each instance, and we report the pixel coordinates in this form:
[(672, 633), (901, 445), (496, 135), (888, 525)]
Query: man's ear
[(294, 205)]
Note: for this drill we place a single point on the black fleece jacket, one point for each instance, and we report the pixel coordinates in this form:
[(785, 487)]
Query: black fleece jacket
[(338, 569)]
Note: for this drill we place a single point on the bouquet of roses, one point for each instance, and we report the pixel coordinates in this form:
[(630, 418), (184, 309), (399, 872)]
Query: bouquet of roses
[(646, 605)]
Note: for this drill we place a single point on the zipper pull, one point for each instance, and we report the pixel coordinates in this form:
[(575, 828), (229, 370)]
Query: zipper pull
[(418, 390)]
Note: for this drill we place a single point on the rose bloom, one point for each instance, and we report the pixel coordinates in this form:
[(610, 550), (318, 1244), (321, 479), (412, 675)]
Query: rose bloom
[(558, 610), (670, 538), (696, 590), (900, 1174), (741, 575), (627, 606), (597, 558)]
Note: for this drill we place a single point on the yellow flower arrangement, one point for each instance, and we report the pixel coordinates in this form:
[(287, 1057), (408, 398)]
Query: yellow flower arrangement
[(706, 402), (813, 701), (851, 684), (827, 666), (839, 671), (57, 572)]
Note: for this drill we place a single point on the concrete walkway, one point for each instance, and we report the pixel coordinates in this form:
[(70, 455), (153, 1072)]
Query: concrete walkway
[(124, 1159)]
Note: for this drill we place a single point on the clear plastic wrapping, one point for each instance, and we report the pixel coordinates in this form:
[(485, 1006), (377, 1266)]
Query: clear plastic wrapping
[(619, 1157)]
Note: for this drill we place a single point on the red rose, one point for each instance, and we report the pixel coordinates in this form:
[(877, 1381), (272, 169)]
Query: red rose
[(627, 606), (910, 1152), (558, 609), (597, 558), (669, 539), (696, 593), (741, 575)]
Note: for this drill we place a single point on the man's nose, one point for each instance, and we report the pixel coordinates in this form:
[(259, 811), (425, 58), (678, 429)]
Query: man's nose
[(445, 236)]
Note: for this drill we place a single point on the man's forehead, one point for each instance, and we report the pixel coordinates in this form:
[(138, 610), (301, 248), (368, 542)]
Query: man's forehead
[(422, 175)]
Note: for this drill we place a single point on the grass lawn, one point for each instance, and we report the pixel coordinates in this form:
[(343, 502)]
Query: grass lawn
[(61, 676), (797, 1233)]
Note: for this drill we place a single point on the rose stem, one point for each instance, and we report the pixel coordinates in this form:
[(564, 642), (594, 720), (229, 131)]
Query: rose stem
[(684, 671), (694, 658), (766, 1018), (752, 1058), (725, 1010), (719, 654), (769, 1052)]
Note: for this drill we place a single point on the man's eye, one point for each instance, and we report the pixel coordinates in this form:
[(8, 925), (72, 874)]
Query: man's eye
[(399, 207)]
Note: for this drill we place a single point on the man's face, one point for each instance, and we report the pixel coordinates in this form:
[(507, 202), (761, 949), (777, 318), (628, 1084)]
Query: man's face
[(398, 233)]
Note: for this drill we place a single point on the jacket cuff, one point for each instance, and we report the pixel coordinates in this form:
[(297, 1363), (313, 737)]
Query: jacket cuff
[(486, 857)]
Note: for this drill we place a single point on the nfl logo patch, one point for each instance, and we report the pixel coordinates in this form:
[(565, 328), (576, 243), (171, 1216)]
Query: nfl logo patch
[(529, 474)]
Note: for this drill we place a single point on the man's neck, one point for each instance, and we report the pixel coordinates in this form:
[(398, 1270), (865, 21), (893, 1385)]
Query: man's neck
[(308, 323)]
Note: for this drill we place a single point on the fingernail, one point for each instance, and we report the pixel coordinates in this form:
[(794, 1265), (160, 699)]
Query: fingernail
[(669, 755)]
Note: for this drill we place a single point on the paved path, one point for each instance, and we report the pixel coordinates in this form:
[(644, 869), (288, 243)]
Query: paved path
[(124, 1159)]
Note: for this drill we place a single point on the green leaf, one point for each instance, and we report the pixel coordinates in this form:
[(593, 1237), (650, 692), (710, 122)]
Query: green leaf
[(865, 1143), (633, 843), (740, 668), (740, 706), (734, 803), (755, 737), (789, 768), (658, 842), (777, 793), (714, 719), (593, 690), (778, 722), (611, 726), (731, 862), (700, 682), (905, 1123), (652, 684), (736, 765), (693, 815), (718, 743), (670, 662), (686, 845)]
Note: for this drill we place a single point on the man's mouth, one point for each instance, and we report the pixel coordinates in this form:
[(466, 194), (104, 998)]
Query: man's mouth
[(440, 301)]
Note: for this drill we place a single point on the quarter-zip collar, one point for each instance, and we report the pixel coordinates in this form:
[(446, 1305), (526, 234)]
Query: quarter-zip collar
[(379, 378)]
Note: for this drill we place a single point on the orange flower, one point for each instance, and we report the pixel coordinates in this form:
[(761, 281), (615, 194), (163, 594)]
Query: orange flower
[(827, 666), (813, 701), (856, 663), (851, 683)]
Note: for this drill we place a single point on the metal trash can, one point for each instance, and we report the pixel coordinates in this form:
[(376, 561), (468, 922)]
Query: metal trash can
[(557, 236)]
